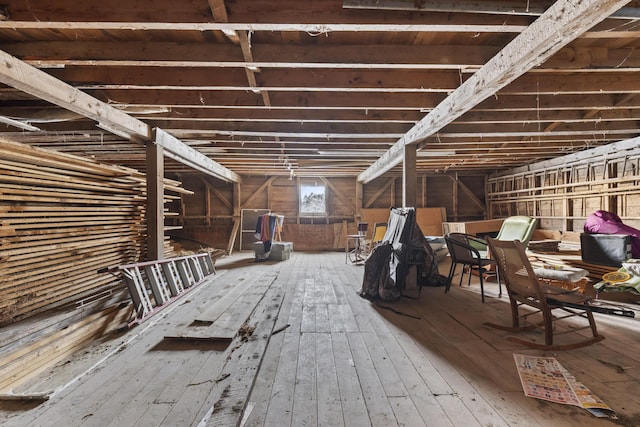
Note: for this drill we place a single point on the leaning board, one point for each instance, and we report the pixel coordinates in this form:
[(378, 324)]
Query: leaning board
[(429, 219)]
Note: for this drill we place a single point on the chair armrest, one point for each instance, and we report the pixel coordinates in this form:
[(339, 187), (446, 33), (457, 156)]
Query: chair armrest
[(471, 248), (478, 243), (477, 239)]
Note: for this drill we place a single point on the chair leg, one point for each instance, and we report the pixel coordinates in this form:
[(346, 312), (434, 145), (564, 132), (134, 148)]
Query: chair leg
[(547, 325), (450, 277), (480, 269), (592, 324)]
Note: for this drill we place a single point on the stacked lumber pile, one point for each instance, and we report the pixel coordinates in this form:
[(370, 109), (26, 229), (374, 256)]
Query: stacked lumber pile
[(26, 360), (568, 255), (544, 245), (62, 218)]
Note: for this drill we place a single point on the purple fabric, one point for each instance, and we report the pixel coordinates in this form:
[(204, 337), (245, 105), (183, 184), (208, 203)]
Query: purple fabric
[(603, 222)]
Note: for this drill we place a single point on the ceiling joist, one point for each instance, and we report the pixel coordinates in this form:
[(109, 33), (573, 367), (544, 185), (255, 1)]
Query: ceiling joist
[(273, 87), (559, 25)]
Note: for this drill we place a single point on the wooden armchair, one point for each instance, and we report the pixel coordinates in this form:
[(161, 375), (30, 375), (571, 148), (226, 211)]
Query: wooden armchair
[(525, 289)]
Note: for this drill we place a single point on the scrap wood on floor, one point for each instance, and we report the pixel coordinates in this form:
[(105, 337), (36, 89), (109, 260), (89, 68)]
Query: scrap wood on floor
[(224, 318), (27, 363)]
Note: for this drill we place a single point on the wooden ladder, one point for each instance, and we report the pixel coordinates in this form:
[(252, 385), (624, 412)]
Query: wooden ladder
[(153, 285)]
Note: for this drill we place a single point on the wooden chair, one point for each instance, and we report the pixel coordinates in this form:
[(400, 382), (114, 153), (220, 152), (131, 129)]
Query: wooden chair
[(525, 289), (463, 253)]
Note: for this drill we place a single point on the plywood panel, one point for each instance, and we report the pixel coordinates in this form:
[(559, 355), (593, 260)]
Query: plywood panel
[(429, 219), (371, 216)]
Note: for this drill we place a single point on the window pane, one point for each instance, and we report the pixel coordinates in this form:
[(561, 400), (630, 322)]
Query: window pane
[(312, 199)]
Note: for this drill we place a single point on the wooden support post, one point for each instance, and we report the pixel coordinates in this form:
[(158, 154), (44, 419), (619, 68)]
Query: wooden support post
[(359, 199), (155, 202), (236, 217), (454, 195), (409, 176), (393, 193), (207, 204)]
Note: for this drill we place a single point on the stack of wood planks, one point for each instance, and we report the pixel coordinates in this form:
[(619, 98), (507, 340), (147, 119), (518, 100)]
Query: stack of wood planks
[(26, 359), (62, 218)]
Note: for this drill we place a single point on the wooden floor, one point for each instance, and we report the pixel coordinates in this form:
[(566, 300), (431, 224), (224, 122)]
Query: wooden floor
[(322, 356)]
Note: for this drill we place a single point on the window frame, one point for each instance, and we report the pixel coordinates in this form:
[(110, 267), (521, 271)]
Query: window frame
[(310, 183)]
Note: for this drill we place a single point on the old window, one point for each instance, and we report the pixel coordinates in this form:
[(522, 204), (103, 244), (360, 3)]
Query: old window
[(313, 198)]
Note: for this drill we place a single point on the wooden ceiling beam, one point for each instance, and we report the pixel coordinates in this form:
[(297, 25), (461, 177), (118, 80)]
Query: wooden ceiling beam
[(489, 7), (202, 99), (386, 56), (338, 101), (389, 129), (17, 74), (558, 26), (179, 151), (509, 109), (24, 77), (393, 81), (412, 102), (311, 28), (495, 26)]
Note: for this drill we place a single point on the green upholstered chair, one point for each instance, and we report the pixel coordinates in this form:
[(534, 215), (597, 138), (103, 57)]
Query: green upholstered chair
[(517, 227)]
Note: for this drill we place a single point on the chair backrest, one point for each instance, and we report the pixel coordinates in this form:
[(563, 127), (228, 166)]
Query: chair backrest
[(362, 228), (460, 249), (517, 228), (515, 270), (379, 230)]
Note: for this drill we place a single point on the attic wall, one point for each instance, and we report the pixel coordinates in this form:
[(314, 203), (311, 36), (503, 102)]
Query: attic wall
[(563, 192), (207, 217)]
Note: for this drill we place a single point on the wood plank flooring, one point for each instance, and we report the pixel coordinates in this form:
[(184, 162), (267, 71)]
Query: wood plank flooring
[(322, 356)]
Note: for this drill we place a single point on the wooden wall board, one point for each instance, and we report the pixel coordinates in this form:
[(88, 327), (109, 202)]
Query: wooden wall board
[(562, 192), (280, 196), (310, 237)]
